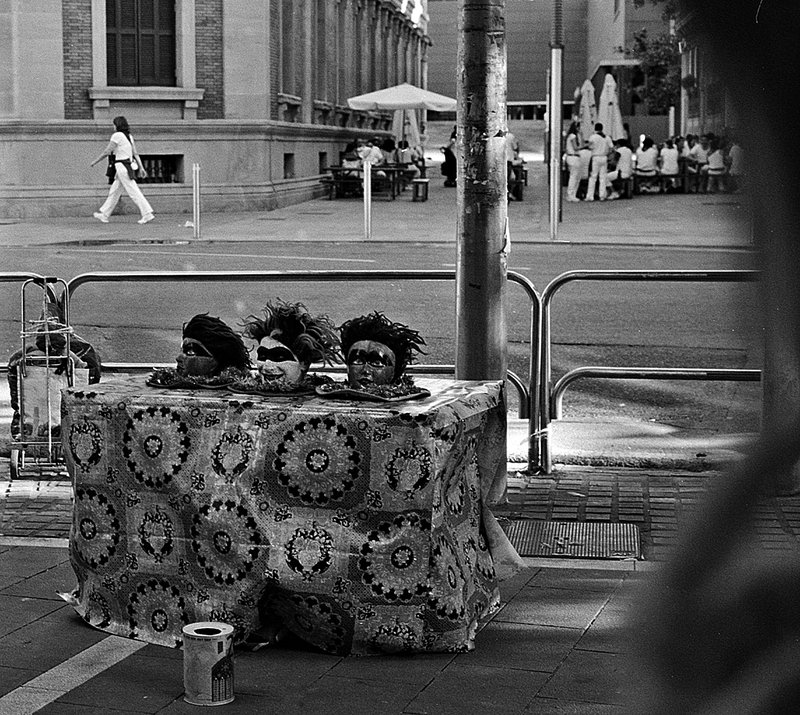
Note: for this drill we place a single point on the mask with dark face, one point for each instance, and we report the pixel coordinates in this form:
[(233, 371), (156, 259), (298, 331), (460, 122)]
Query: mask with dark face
[(369, 363), (194, 359), (277, 362)]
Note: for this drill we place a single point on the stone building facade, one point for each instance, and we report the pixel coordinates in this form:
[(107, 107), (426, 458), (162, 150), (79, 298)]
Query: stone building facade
[(254, 91)]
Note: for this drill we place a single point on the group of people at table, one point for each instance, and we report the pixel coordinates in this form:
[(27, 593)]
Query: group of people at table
[(383, 154), (600, 167)]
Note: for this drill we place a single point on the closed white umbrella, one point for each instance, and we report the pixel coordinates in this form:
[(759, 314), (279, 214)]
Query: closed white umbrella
[(588, 111), (405, 126), (608, 112)]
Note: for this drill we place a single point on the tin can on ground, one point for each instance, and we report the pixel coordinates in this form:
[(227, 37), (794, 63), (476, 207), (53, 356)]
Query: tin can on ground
[(208, 663)]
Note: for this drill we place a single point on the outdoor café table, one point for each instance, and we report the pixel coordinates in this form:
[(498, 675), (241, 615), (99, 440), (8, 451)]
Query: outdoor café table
[(364, 526)]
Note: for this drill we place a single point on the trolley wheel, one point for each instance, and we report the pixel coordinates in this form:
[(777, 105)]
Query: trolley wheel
[(17, 462)]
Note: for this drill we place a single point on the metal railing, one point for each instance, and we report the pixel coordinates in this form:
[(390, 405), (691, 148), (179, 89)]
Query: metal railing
[(527, 390), (539, 399), (549, 395)]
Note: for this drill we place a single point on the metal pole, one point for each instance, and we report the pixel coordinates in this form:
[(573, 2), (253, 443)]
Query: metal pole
[(367, 200), (554, 111), (196, 199), (482, 192)]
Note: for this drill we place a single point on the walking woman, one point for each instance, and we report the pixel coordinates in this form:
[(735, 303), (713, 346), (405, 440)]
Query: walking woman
[(127, 164)]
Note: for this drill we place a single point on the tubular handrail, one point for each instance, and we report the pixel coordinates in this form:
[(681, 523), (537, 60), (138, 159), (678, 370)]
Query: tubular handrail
[(647, 373), (542, 409), (20, 276), (528, 396)]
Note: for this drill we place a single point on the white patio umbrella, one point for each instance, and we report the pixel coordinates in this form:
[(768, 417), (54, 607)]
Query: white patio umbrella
[(587, 116), (608, 112), (403, 96), (404, 99)]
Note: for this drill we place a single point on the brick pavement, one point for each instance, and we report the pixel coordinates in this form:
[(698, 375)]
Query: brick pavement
[(559, 644)]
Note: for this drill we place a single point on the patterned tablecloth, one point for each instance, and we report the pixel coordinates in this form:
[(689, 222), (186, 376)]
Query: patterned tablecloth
[(363, 526)]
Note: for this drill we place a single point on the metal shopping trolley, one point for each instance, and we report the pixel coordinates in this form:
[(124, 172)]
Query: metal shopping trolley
[(46, 363)]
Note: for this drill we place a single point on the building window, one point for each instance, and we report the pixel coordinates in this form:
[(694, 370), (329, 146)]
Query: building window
[(162, 169), (140, 42), (288, 166)]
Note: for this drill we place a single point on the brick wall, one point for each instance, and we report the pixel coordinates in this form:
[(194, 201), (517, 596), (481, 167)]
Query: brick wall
[(208, 48), (77, 38)]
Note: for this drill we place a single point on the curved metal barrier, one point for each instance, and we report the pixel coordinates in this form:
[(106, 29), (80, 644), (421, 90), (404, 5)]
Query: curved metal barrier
[(544, 413), (645, 373)]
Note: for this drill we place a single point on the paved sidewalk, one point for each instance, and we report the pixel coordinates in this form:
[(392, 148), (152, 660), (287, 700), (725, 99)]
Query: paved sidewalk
[(695, 220), (559, 644)]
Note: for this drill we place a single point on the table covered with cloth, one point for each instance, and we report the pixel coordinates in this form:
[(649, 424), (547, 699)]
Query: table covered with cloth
[(362, 526)]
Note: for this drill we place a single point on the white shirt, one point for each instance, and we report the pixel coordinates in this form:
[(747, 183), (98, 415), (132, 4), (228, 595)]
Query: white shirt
[(600, 145), (122, 147), (625, 162), (669, 160)]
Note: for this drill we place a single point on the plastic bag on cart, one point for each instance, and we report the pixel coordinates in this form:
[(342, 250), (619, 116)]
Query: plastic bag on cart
[(42, 411)]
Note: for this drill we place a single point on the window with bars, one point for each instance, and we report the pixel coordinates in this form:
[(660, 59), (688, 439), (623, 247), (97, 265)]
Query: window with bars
[(140, 42)]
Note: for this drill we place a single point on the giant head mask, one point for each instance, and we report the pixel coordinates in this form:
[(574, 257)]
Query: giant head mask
[(209, 346), (377, 351), (290, 339)]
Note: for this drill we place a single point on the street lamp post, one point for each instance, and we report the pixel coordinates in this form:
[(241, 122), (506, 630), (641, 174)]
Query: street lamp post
[(554, 112)]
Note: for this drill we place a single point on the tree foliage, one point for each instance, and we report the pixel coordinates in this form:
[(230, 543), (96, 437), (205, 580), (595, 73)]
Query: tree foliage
[(670, 7), (657, 83)]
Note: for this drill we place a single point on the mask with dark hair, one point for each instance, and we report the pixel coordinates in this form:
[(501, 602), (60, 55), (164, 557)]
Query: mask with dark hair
[(289, 340), (209, 347), (377, 351)]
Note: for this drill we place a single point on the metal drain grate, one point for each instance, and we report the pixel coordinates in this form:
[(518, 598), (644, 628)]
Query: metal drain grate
[(570, 539)]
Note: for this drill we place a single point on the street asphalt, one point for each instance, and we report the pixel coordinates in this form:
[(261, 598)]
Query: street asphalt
[(561, 642)]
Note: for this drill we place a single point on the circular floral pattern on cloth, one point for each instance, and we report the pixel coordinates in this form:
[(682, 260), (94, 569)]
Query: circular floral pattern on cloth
[(448, 598), (157, 612), (409, 470), (156, 445), (318, 461), (309, 551), (85, 442), (156, 534), (390, 563), (226, 540), (231, 455), (96, 533)]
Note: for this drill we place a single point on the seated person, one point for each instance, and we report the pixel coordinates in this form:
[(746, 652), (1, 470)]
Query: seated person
[(409, 160), (668, 163), (623, 170), (351, 160), (646, 162), (50, 342), (290, 339), (210, 347), (389, 151), (370, 152), (377, 351), (697, 159)]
